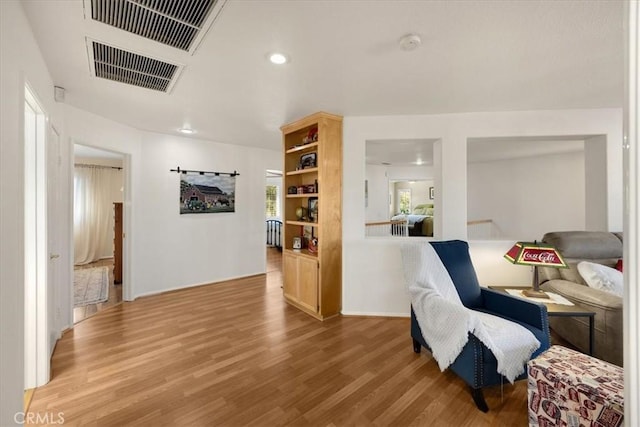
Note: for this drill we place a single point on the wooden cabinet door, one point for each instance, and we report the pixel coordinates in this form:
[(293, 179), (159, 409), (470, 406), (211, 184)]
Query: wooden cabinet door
[(308, 283), (290, 276)]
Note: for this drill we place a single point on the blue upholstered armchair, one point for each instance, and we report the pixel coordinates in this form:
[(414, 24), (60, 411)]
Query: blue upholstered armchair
[(476, 364)]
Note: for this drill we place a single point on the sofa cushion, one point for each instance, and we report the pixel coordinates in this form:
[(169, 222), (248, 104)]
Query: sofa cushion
[(601, 277), (585, 244), (571, 274)]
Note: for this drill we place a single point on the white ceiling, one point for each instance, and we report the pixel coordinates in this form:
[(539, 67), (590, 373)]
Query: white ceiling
[(416, 152), (491, 149), (403, 152), (345, 59)]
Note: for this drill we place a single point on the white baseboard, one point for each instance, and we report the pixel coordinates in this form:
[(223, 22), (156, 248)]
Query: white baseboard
[(194, 285), (374, 314)]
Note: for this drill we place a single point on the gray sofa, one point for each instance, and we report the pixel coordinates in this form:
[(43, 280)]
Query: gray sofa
[(594, 246)]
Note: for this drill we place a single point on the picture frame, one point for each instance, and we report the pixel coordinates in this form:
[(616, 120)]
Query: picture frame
[(431, 193), (207, 193), (312, 209), (308, 160)]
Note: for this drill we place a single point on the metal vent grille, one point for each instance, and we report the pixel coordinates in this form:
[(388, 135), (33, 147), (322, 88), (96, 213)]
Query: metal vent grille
[(127, 67), (175, 23)]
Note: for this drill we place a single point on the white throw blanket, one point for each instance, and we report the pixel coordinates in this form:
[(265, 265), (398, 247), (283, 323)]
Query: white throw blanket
[(445, 322)]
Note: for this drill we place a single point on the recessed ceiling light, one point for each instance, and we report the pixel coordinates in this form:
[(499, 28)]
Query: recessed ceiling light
[(278, 58), (187, 131)]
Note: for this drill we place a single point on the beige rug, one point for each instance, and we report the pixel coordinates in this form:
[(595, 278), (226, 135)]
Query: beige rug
[(90, 286)]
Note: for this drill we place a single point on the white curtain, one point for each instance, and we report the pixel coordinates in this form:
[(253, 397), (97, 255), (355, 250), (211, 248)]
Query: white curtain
[(93, 212)]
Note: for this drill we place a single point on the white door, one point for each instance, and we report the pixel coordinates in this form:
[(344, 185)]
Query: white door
[(55, 228)]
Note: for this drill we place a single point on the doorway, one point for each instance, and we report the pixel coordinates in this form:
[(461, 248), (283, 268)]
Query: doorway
[(98, 182), (273, 220)]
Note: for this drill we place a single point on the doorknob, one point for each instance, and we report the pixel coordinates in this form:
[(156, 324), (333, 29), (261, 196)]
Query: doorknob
[(53, 256)]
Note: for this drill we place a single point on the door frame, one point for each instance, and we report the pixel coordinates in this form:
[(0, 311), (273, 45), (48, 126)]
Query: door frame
[(127, 222), (36, 300), (55, 246)]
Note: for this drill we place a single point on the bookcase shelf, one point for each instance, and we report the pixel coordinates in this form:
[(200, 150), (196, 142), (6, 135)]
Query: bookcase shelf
[(305, 147), (301, 196), (312, 281), (302, 171)]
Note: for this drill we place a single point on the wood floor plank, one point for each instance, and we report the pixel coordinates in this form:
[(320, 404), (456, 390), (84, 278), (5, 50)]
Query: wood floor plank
[(234, 354)]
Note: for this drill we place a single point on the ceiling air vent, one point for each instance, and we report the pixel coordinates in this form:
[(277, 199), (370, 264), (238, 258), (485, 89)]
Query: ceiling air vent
[(122, 66), (171, 22)]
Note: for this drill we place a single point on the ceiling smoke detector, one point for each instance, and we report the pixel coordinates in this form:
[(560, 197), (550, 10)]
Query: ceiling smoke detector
[(410, 42)]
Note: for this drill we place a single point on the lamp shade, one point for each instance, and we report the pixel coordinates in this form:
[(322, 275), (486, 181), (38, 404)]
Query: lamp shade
[(533, 253)]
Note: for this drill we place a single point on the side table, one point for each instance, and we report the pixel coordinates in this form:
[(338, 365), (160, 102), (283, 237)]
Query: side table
[(560, 310)]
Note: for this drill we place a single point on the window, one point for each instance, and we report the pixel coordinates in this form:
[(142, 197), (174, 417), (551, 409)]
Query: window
[(404, 201), (272, 202)]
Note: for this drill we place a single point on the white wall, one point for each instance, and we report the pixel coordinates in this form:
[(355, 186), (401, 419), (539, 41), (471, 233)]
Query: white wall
[(173, 250), (169, 250), (377, 208), (20, 62), (596, 183), (528, 196), (372, 279), (408, 173), (379, 264)]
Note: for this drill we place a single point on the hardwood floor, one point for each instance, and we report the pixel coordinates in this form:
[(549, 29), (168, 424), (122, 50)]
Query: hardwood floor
[(115, 293), (235, 354)]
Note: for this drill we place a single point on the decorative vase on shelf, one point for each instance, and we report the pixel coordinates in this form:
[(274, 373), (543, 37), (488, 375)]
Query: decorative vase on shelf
[(301, 213)]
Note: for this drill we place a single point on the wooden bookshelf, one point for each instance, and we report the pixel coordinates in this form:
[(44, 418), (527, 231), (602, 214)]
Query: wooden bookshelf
[(312, 280)]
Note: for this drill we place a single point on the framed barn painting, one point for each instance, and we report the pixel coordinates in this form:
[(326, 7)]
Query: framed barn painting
[(207, 194)]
